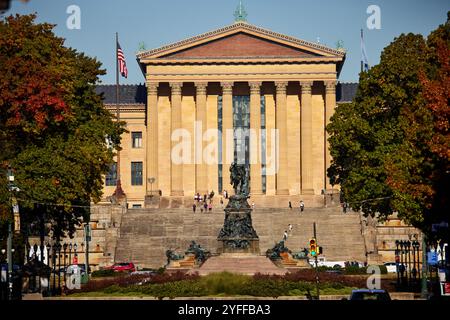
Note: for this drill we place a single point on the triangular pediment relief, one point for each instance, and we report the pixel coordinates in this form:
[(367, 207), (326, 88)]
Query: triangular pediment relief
[(240, 45), (240, 40)]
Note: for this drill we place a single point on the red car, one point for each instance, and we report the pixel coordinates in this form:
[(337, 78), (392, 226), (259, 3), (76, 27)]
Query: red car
[(123, 266)]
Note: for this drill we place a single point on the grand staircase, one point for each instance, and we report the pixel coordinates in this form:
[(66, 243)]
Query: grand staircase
[(146, 234)]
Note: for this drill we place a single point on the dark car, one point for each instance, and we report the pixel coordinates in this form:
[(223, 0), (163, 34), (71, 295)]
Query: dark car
[(367, 294)]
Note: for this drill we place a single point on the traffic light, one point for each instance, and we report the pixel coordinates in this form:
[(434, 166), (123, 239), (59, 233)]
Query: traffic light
[(313, 247), (319, 249)]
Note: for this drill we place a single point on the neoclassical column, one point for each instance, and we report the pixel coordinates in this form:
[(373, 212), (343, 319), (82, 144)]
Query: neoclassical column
[(227, 134), (201, 169), (177, 169), (330, 104), (255, 139), (281, 123), (306, 138), (152, 137)]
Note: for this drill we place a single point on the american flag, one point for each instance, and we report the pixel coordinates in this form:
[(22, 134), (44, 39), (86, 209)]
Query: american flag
[(122, 64)]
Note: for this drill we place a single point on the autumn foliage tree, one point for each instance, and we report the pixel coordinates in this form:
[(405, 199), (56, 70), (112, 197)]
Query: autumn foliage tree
[(390, 146), (52, 125)]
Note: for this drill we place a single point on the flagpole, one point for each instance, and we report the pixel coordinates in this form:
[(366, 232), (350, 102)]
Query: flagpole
[(118, 192), (361, 51)]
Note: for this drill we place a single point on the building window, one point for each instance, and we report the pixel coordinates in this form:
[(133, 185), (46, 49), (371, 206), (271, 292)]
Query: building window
[(136, 173), (241, 129), (136, 138), (136, 206), (111, 176)]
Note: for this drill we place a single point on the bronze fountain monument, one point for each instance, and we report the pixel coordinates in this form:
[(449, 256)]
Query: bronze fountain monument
[(237, 234)]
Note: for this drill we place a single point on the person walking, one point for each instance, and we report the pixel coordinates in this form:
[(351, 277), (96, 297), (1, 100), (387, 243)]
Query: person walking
[(194, 207), (221, 202), (210, 206), (205, 205), (302, 205), (285, 235), (253, 205), (290, 205), (290, 227)]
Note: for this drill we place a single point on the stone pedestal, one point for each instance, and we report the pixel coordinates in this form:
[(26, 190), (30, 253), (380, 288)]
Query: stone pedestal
[(237, 234), (152, 201)]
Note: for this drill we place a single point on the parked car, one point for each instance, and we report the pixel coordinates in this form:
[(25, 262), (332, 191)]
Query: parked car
[(367, 294), (4, 270), (322, 261), (391, 267), (122, 266), (82, 267)]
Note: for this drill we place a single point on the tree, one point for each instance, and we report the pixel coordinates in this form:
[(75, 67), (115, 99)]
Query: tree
[(390, 144), (53, 126)]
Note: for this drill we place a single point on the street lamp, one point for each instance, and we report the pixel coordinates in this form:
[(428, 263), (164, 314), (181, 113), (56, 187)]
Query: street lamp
[(75, 255), (415, 245), (48, 254), (9, 242), (70, 253), (408, 250), (65, 258), (324, 192), (151, 181)]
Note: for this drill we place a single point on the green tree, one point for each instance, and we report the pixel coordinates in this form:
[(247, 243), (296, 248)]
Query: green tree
[(380, 142), (53, 126)]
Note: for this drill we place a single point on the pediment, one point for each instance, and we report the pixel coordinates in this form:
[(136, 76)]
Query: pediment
[(240, 40), (240, 45)]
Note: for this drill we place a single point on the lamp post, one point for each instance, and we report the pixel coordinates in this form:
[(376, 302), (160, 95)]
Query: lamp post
[(64, 262), (70, 253), (151, 180), (408, 251), (324, 192), (75, 255), (424, 291), (397, 261), (48, 263), (9, 241), (415, 245)]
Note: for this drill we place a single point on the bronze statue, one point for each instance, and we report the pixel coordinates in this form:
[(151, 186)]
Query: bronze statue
[(239, 179), (171, 256)]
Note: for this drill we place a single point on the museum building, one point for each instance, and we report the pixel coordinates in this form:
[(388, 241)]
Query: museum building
[(240, 93)]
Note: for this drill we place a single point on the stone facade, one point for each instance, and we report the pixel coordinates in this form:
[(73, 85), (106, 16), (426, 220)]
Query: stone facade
[(186, 80)]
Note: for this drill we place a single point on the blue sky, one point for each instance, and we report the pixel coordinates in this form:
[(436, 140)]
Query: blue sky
[(160, 22)]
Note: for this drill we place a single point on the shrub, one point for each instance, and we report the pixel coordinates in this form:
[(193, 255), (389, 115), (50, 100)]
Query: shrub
[(106, 273), (355, 270), (224, 283), (383, 269), (161, 270), (181, 284)]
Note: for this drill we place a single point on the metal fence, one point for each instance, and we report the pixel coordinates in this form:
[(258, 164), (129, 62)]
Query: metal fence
[(44, 271)]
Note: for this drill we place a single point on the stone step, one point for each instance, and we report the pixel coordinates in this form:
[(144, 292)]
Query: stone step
[(146, 234)]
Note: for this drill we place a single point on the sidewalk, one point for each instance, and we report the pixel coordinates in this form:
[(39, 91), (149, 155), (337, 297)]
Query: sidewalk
[(394, 296)]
